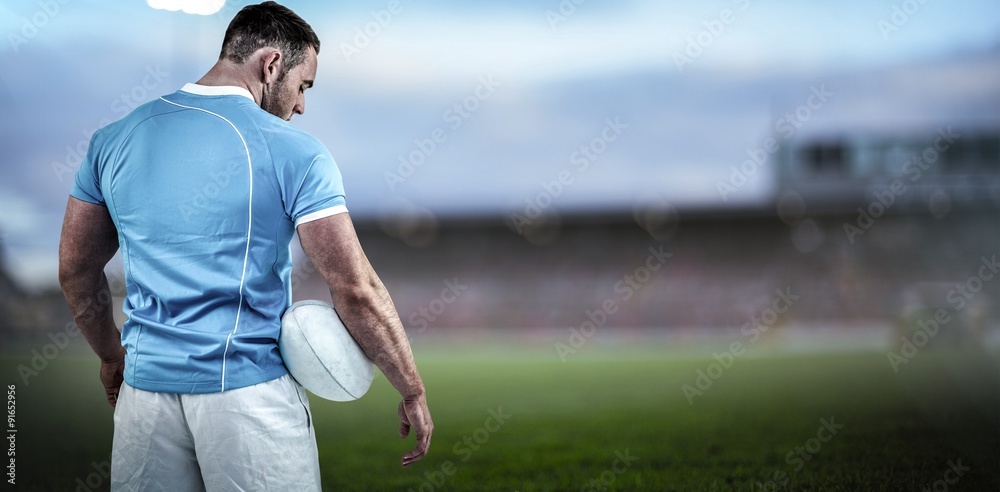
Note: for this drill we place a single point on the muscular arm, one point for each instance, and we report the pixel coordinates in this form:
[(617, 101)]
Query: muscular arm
[(366, 309), (88, 242)]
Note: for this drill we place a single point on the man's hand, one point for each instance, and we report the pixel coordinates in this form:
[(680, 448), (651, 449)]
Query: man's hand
[(112, 375), (413, 412)]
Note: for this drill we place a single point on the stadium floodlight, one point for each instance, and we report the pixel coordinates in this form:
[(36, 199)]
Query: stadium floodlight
[(199, 7)]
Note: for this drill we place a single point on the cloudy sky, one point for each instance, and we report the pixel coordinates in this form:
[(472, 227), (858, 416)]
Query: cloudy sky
[(634, 99)]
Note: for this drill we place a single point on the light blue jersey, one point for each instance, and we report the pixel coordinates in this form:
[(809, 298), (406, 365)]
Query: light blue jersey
[(206, 190)]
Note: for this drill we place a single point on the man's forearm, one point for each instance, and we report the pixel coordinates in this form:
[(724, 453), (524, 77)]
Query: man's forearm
[(89, 300), (370, 316)]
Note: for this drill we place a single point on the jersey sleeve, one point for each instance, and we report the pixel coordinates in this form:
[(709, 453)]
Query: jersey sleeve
[(87, 184), (317, 193)]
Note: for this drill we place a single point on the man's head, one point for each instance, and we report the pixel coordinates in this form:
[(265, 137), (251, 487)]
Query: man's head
[(277, 42)]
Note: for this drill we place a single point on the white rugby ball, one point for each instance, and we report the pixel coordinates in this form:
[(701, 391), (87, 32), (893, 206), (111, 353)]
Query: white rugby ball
[(321, 354)]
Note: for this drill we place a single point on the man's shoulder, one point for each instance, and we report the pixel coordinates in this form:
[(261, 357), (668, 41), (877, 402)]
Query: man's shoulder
[(273, 127), (122, 126), (282, 136)]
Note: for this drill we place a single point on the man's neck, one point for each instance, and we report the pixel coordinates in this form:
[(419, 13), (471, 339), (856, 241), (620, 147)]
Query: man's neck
[(228, 74)]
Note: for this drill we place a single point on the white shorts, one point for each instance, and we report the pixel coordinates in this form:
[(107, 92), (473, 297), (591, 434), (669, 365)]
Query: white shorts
[(254, 438)]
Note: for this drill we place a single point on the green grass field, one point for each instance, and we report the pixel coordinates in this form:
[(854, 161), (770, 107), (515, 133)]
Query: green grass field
[(616, 419)]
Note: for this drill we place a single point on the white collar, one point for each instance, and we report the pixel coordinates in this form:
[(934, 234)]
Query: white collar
[(217, 90)]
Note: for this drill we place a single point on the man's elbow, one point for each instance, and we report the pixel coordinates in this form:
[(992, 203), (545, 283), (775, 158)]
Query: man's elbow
[(73, 270), (67, 269), (352, 294)]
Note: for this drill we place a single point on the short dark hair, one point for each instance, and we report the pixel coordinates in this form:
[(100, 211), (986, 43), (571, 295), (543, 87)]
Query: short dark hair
[(268, 25)]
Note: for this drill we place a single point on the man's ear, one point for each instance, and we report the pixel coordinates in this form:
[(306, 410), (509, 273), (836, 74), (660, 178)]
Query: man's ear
[(271, 64)]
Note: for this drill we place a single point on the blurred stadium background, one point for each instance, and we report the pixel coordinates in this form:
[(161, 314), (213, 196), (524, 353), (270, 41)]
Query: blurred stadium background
[(578, 208)]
